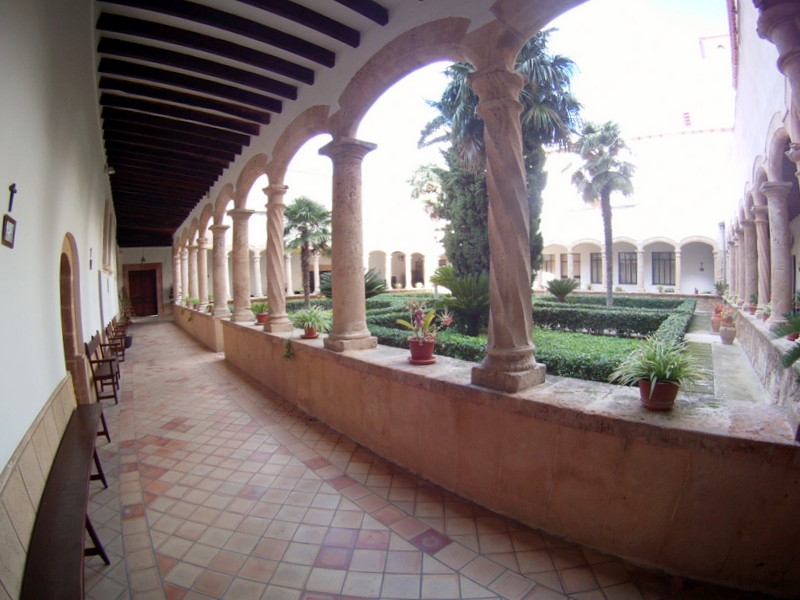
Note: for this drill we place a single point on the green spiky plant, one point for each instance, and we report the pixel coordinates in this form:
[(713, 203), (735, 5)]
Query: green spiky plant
[(787, 328), (658, 360), (561, 288)]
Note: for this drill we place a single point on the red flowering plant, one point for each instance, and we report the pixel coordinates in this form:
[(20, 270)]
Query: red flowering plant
[(728, 314), (422, 324), (718, 307)]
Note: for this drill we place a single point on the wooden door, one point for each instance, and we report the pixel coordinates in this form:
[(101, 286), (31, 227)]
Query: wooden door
[(142, 287)]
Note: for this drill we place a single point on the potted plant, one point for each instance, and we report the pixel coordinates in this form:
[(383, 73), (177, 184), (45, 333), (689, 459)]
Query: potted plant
[(424, 329), (753, 304), (727, 328), (720, 287), (260, 311), (716, 317), (767, 311), (790, 328), (660, 368), (312, 321)]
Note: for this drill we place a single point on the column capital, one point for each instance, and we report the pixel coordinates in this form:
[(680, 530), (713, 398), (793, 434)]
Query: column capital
[(240, 213), (275, 189), (495, 83), (342, 148), (219, 228), (776, 190)]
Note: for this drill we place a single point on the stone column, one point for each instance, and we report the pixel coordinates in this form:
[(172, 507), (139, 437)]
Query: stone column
[(387, 270), (287, 269), (762, 245), (678, 272), (570, 265), (241, 266), (193, 271), (407, 270), (718, 273), (257, 291), (640, 270), (276, 280), (740, 261), (202, 272), (781, 249), (185, 272), (750, 260), (315, 268), (731, 264), (349, 331), (177, 290), (219, 271), (779, 22), (510, 364)]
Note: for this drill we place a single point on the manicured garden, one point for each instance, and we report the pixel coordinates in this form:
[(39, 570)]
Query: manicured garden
[(579, 338)]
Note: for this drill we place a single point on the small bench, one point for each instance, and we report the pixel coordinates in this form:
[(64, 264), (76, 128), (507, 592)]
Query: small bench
[(54, 567)]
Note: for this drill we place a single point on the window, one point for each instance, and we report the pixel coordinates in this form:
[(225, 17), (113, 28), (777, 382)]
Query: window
[(596, 262), (548, 263), (663, 268), (563, 266), (576, 266), (627, 267)]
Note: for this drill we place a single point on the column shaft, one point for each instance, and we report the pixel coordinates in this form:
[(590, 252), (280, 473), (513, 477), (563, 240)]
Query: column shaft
[(177, 290), (510, 364), (220, 271), (276, 280), (202, 272), (762, 245), (241, 266), (185, 273), (750, 261), (349, 331), (781, 249)]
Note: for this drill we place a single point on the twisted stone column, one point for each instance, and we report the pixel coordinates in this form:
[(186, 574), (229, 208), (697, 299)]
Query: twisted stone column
[(510, 364), (349, 331), (750, 260), (177, 290), (781, 249), (202, 272), (241, 266), (276, 281), (219, 268), (762, 245)]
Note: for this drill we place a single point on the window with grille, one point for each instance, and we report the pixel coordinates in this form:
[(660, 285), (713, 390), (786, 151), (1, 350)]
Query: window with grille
[(596, 263), (548, 263), (627, 267), (663, 268)]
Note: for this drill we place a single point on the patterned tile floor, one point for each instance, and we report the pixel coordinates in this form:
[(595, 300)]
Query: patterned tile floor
[(218, 490)]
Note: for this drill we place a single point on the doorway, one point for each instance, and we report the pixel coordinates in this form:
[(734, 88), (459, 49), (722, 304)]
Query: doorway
[(143, 292)]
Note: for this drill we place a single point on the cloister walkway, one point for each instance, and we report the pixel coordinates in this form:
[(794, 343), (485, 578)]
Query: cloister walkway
[(220, 490)]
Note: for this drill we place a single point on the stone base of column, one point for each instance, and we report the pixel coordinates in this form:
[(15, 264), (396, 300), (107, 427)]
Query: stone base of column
[(243, 316), (221, 313), (278, 324), (508, 381), (340, 345), (774, 320)]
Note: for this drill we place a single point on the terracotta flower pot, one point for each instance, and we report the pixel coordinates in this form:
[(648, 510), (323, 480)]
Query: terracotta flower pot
[(663, 396), (309, 333), (421, 351), (715, 323), (727, 333), (261, 318)]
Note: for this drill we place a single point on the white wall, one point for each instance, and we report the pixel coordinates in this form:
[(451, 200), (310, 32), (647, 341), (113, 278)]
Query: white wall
[(50, 148)]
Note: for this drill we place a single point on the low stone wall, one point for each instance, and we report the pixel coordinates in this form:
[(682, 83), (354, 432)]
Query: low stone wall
[(202, 326), (765, 352), (709, 492)]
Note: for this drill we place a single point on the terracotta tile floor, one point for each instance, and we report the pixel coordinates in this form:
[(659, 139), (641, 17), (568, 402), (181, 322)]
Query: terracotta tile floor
[(218, 490)]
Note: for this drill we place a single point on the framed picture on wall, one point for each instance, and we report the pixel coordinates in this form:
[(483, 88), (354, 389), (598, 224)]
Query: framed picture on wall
[(9, 231)]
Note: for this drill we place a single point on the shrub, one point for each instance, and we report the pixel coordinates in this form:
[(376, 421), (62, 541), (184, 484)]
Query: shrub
[(469, 302), (374, 284), (561, 288)]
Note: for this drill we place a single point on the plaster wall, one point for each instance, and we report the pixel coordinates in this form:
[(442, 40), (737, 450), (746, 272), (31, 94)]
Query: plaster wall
[(578, 459), (51, 149)]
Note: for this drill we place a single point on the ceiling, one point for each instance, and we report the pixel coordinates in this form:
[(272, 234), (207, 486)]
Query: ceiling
[(184, 86)]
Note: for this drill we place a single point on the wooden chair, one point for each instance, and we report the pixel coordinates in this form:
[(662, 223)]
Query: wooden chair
[(114, 343), (105, 370)]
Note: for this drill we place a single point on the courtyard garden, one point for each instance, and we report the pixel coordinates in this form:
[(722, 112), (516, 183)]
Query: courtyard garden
[(580, 337)]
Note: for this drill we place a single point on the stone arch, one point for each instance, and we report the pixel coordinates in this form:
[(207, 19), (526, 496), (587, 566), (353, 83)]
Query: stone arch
[(307, 125), (659, 240), (255, 168), (69, 287), (221, 203), (775, 154), (206, 215)]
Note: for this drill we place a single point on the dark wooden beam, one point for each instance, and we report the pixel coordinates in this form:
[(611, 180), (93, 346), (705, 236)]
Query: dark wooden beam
[(213, 134), (309, 18), (369, 9)]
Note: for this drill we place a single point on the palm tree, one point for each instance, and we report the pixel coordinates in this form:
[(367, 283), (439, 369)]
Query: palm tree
[(550, 110), (307, 228), (601, 174)]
